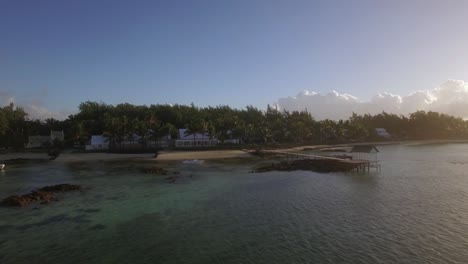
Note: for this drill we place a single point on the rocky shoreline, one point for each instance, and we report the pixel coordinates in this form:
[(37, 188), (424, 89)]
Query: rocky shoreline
[(155, 170), (43, 195), (161, 171)]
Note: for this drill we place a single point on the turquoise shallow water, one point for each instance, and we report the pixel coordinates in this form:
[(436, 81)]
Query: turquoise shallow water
[(414, 211)]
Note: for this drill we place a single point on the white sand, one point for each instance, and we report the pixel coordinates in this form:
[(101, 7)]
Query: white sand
[(72, 157), (67, 157), (203, 155), (19, 155), (166, 156)]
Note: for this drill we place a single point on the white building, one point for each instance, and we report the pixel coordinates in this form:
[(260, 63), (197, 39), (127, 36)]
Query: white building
[(381, 132), (98, 142), (194, 140)]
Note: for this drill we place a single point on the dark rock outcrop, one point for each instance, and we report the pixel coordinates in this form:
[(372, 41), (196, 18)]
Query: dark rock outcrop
[(155, 170), (43, 195), (25, 200), (61, 188), (264, 153), (172, 179)]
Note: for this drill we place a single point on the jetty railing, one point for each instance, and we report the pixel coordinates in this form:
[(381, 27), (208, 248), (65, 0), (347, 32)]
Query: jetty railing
[(356, 165)]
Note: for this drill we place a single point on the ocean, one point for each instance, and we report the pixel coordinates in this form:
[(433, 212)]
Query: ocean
[(415, 210)]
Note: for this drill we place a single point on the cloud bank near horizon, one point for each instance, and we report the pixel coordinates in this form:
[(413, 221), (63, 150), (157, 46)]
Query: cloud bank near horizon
[(450, 98), (35, 108)]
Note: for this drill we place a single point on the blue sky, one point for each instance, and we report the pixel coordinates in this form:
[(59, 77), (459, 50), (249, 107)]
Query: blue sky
[(60, 53)]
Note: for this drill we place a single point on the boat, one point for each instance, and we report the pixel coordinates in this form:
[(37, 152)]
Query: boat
[(193, 161)]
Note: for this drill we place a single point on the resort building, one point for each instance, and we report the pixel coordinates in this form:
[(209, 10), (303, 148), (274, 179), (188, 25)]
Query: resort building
[(196, 140)]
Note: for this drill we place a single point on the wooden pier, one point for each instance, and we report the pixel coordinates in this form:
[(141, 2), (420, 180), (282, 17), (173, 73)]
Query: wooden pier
[(354, 165)]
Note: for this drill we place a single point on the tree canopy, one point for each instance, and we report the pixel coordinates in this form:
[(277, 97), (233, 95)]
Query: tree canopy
[(251, 125)]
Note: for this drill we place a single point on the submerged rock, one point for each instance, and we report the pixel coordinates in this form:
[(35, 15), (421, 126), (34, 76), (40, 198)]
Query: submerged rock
[(155, 170), (24, 200), (61, 188), (172, 179), (45, 195), (16, 200)]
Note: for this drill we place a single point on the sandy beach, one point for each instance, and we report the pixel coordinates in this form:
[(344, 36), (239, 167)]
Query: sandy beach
[(203, 155), (208, 154), (163, 156), (75, 157)]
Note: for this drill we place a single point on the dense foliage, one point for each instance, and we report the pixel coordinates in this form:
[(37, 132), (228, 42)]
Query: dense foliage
[(251, 125)]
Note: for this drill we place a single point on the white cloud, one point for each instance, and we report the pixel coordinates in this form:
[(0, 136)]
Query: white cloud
[(40, 112), (35, 108), (451, 98)]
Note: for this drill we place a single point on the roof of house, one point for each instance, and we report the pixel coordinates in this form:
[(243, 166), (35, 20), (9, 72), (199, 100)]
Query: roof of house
[(364, 148)]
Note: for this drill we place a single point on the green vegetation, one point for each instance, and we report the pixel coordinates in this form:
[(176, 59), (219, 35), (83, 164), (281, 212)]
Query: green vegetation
[(251, 125), (13, 126)]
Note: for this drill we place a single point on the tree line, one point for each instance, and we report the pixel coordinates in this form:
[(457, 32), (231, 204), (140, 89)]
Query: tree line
[(251, 125)]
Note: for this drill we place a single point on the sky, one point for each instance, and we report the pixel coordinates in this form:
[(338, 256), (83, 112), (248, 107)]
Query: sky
[(289, 53)]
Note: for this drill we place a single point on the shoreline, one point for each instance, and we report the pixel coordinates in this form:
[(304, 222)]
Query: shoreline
[(384, 143), (74, 157), (202, 155), (174, 155)]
